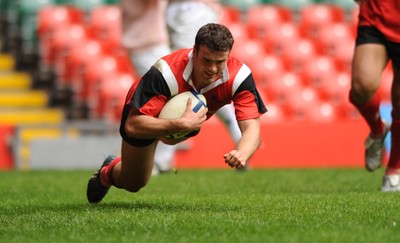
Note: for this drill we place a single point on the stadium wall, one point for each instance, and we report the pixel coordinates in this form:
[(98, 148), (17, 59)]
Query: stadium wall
[(284, 145)]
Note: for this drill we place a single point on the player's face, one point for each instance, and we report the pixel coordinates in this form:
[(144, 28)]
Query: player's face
[(207, 65)]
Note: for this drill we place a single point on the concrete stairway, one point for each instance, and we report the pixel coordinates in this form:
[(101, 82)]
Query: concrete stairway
[(23, 110)]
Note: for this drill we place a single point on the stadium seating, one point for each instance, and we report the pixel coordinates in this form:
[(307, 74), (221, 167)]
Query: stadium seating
[(229, 15), (315, 71), (275, 114), (280, 89), (95, 74), (250, 51), (297, 54), (51, 20), (281, 36), (267, 69), (263, 19), (314, 18), (335, 88), (64, 40), (111, 95), (105, 21)]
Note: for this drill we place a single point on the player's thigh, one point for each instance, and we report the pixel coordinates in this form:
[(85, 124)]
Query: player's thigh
[(369, 61), (137, 164)]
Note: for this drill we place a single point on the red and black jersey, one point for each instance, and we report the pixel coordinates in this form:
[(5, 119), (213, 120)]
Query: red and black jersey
[(171, 75), (384, 15)]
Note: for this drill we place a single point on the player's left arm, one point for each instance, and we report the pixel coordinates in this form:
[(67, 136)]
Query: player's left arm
[(247, 144), (248, 108)]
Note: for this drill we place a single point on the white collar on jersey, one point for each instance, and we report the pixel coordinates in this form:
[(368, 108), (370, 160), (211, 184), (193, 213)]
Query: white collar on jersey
[(187, 73)]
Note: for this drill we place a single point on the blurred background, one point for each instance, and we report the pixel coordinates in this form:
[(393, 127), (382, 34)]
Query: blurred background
[(64, 77)]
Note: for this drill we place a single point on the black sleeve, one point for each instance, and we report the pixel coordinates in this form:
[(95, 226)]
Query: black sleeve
[(151, 84), (249, 85)]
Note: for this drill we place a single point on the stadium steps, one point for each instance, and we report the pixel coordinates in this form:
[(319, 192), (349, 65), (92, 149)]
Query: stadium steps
[(36, 116), (26, 110), (19, 103), (23, 98), (6, 62), (14, 81)]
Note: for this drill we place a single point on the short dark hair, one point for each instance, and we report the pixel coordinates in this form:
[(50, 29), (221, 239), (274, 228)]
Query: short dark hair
[(215, 37)]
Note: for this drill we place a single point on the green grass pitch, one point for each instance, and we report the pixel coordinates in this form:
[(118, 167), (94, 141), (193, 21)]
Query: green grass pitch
[(271, 205)]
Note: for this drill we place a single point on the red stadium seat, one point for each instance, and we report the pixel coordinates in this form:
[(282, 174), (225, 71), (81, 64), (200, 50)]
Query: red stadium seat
[(315, 71), (299, 103), (266, 69), (105, 21), (280, 37), (280, 89), (230, 14), (321, 112), (275, 114), (335, 88), (331, 36), (348, 112), (64, 41), (261, 18), (337, 41), (249, 51), (112, 91), (315, 17), (296, 54), (98, 68), (343, 55), (79, 59), (50, 18), (238, 30)]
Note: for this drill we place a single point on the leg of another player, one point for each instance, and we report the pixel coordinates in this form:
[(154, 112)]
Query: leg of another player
[(369, 62), (164, 157), (144, 60), (227, 115), (394, 160)]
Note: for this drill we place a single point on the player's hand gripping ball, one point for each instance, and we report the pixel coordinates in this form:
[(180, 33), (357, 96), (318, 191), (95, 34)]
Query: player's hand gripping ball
[(176, 106)]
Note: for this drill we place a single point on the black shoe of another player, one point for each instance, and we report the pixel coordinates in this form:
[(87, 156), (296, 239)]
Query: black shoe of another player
[(95, 190)]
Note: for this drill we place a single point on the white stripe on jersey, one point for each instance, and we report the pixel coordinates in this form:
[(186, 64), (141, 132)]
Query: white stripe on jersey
[(169, 77), (243, 73)]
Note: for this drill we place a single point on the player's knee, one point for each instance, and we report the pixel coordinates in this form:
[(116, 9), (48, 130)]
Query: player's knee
[(361, 94), (135, 186)]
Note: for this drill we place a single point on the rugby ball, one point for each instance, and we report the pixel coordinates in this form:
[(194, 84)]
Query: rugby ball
[(176, 106)]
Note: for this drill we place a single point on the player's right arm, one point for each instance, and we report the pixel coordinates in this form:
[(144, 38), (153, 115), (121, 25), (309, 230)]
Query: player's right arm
[(143, 126)]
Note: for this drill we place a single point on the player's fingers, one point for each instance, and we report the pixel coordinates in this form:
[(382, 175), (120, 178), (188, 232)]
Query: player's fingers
[(189, 104), (241, 165), (231, 161)]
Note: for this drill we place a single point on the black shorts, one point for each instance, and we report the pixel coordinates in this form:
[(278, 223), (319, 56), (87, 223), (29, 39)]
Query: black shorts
[(370, 35), (132, 141)]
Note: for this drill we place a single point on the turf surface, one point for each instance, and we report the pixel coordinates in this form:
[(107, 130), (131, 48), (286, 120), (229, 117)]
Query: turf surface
[(319, 205)]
